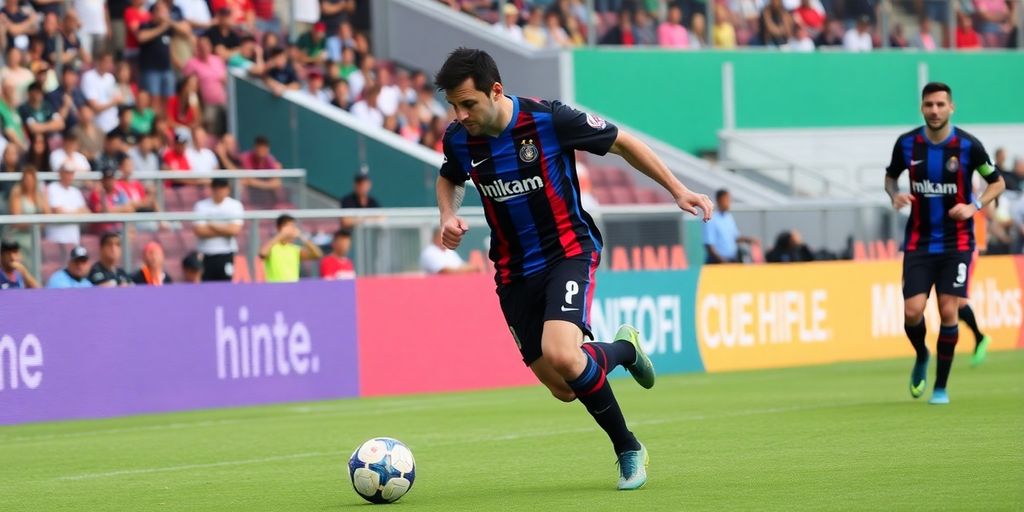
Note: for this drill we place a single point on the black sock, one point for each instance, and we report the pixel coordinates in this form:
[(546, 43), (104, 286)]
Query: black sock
[(595, 392), (948, 336), (610, 355), (916, 334), (967, 315)]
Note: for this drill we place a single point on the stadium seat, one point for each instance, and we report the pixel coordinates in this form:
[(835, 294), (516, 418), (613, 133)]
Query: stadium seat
[(54, 252), (603, 195), (622, 195)]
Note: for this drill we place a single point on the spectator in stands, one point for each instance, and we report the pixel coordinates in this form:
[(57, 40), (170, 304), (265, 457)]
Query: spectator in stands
[(509, 24), (438, 259), (622, 34), (151, 273), (1002, 167), (75, 274), (342, 96), (801, 41), (334, 12), (200, 157), (37, 115), (94, 31), (833, 34), (227, 152), (100, 89), (698, 31), (993, 20), (13, 130), (966, 37), (192, 268), (28, 197), (9, 163), (124, 131), (858, 38), (367, 110), (110, 158), (1018, 173), (185, 108), (672, 33), (68, 158), (897, 39), (144, 157), (14, 274), (313, 46), (67, 98), (789, 248), (176, 157), (776, 25), (280, 76), (575, 31), (19, 24), (109, 198), (197, 14), (282, 257), (73, 43), (347, 66), (125, 83), (924, 40), (225, 40), (141, 197), (16, 74), (212, 75), (315, 88), (721, 235), (339, 41), (337, 265), (646, 28), (360, 196), (143, 114), (90, 137), (809, 17), (105, 271), (363, 76), (259, 158), (534, 32), (217, 233), (242, 12)]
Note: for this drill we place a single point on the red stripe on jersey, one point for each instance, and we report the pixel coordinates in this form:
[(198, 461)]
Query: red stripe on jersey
[(593, 284), (963, 236), (559, 210), (915, 227), (504, 254)]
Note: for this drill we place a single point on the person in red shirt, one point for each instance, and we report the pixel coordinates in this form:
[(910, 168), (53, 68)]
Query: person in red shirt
[(134, 16), (242, 11), (966, 37), (337, 265), (185, 108), (175, 159), (809, 17)]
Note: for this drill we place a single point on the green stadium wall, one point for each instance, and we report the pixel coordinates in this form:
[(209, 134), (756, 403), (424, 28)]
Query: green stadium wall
[(683, 104)]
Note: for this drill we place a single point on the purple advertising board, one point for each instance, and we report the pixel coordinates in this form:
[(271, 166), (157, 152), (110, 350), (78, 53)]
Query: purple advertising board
[(90, 353)]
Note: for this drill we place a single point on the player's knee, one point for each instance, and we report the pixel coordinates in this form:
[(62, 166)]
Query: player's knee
[(913, 313), (565, 363)]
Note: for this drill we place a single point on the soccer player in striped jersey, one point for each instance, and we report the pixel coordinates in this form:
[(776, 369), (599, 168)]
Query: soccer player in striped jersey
[(939, 239), (519, 152)]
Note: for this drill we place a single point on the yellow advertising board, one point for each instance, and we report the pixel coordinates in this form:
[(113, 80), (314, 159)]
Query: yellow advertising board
[(768, 316)]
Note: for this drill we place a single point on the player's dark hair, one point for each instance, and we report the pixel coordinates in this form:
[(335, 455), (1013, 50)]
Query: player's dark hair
[(343, 233), (261, 140), (284, 219), (466, 63), (936, 87), (107, 237), (720, 193), (9, 246)]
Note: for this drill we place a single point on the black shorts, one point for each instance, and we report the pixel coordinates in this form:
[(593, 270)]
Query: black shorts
[(218, 267), (563, 292), (950, 273)]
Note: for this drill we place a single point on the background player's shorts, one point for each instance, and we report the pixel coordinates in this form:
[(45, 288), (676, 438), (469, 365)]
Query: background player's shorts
[(563, 292), (949, 273)]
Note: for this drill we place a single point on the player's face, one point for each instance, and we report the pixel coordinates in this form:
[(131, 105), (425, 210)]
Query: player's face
[(937, 109), (476, 110)]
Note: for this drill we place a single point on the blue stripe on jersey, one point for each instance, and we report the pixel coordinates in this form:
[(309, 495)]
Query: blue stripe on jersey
[(519, 208), (577, 210), (459, 144), (935, 204), (908, 156), (549, 143), (965, 162)]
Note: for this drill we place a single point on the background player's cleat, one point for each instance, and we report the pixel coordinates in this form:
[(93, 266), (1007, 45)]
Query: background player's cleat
[(981, 351), (633, 469), (919, 378), (939, 397), (642, 368)]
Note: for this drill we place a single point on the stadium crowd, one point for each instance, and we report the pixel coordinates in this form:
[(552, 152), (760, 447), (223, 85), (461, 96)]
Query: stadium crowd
[(793, 25)]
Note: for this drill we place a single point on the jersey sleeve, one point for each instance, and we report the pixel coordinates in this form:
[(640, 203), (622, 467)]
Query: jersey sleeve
[(981, 162), (580, 130), (897, 164), (450, 167)]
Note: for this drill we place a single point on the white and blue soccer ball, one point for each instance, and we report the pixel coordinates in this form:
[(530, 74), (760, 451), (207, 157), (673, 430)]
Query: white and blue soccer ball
[(382, 470)]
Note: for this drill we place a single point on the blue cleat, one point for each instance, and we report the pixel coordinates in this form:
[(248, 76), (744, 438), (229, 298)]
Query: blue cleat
[(642, 368), (939, 397), (633, 469), (919, 378)]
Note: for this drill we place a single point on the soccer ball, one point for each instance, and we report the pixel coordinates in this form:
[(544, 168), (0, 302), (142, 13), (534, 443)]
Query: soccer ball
[(382, 470)]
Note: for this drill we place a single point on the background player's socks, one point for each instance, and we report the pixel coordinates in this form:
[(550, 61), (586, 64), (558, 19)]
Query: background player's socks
[(610, 355), (948, 336), (967, 315), (916, 334), (595, 392)]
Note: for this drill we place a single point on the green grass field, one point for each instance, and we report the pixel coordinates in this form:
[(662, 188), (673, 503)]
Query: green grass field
[(842, 437)]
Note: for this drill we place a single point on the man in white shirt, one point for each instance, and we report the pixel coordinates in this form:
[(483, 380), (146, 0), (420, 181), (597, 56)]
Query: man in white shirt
[(69, 157), (390, 94), (366, 109), (100, 89), (64, 198), (509, 25), (93, 16), (196, 13), (437, 259), (858, 38), (200, 157), (217, 233)]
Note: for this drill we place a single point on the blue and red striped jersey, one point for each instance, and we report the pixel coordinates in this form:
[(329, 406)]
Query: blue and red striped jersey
[(940, 178), (526, 177)]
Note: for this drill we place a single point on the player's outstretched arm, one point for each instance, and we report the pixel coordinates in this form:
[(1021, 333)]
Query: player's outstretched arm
[(449, 199), (899, 200), (643, 159)]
